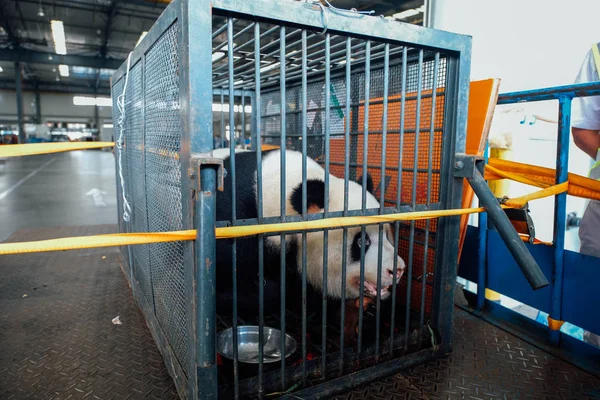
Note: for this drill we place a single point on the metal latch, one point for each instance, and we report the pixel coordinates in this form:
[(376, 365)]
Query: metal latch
[(203, 160), (520, 219)]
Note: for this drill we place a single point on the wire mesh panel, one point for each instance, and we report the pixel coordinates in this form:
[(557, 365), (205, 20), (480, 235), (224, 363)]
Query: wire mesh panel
[(359, 118), (163, 185)]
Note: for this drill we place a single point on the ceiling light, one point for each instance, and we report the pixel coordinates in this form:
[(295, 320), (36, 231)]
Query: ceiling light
[(406, 14), (1, 69), (40, 13), (142, 36), (63, 70), (217, 56), (58, 33), (269, 67)]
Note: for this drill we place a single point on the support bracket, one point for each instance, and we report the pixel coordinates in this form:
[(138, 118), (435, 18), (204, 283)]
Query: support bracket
[(207, 160), (471, 168)]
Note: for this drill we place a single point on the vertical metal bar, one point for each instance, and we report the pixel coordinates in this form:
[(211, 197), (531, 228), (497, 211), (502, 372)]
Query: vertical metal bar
[(386, 71), (326, 199), (304, 205), (456, 99), (19, 90), (253, 116), (222, 120), (346, 179), (560, 212), (38, 106), (364, 190), (195, 93), (243, 132), (261, 239), (411, 238), (232, 174), (282, 193), (206, 284), (398, 196), (482, 262), (436, 64)]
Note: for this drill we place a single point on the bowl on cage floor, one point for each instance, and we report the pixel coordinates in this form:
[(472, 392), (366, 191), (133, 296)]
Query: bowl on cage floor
[(248, 344)]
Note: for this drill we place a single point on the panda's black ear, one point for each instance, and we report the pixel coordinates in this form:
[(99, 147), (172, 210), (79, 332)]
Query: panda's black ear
[(370, 187), (315, 196)]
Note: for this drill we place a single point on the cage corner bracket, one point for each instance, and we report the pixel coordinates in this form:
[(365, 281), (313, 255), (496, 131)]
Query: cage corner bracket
[(465, 165), (207, 160)]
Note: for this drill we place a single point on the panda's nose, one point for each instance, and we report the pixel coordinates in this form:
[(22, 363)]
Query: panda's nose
[(390, 273)]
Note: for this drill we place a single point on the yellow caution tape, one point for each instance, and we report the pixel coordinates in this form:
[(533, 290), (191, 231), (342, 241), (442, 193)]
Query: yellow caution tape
[(31, 149), (540, 194), (96, 241), (127, 239)]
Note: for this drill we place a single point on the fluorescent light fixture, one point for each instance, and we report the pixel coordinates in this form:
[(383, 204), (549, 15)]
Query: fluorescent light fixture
[(217, 107), (1, 69), (406, 14), (58, 33), (108, 126), (103, 101), (63, 70), (238, 82), (142, 36), (84, 101), (217, 56), (92, 101), (269, 67)]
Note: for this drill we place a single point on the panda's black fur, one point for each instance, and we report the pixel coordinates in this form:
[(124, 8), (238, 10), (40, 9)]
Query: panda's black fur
[(247, 248)]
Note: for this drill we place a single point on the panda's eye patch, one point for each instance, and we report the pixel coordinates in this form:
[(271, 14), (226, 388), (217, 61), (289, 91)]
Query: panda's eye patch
[(357, 244)]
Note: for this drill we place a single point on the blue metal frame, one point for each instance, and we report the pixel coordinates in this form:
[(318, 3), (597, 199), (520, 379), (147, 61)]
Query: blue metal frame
[(572, 276), (194, 19)]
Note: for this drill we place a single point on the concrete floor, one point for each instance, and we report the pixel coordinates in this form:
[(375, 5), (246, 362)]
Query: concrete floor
[(65, 189)]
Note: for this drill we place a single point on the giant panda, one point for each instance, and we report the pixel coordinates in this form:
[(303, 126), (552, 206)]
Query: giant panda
[(247, 248)]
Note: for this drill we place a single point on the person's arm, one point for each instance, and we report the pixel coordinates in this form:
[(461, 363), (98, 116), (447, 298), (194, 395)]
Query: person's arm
[(585, 123), (587, 140)]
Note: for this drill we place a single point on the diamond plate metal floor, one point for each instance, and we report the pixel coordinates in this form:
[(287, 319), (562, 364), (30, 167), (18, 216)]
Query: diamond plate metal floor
[(487, 363), (57, 341)]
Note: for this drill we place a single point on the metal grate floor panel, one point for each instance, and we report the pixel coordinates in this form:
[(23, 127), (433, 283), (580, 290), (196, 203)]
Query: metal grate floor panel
[(58, 341)]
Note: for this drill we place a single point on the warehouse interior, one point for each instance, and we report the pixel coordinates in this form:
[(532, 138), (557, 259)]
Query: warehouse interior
[(72, 324)]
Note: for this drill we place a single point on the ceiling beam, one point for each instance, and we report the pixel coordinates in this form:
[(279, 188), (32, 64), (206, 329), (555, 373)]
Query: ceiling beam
[(75, 5), (14, 40), (38, 57), (6, 84), (111, 16)]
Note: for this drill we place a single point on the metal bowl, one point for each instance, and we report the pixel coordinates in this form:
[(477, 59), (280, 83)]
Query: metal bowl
[(248, 344)]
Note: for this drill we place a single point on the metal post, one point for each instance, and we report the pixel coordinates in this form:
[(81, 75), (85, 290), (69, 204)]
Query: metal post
[(560, 213), (482, 275), (38, 105), (517, 248), (19, 89), (205, 249)]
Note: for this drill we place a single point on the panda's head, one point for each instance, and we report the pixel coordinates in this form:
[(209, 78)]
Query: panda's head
[(355, 242)]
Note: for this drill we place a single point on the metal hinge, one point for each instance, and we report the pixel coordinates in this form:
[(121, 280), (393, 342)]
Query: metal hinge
[(465, 165), (204, 160)]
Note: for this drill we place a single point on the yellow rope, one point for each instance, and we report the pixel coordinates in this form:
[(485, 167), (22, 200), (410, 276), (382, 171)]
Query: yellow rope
[(540, 194), (31, 149), (126, 239)]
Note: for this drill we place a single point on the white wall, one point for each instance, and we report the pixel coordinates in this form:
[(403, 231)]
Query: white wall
[(54, 106), (528, 44)]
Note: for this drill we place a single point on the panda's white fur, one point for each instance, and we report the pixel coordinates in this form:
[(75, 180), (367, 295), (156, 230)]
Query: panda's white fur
[(271, 186)]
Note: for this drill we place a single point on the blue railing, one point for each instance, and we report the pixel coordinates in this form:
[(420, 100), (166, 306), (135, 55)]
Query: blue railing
[(572, 295)]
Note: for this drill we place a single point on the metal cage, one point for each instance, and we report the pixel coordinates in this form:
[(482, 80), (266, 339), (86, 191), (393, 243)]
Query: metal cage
[(355, 93)]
